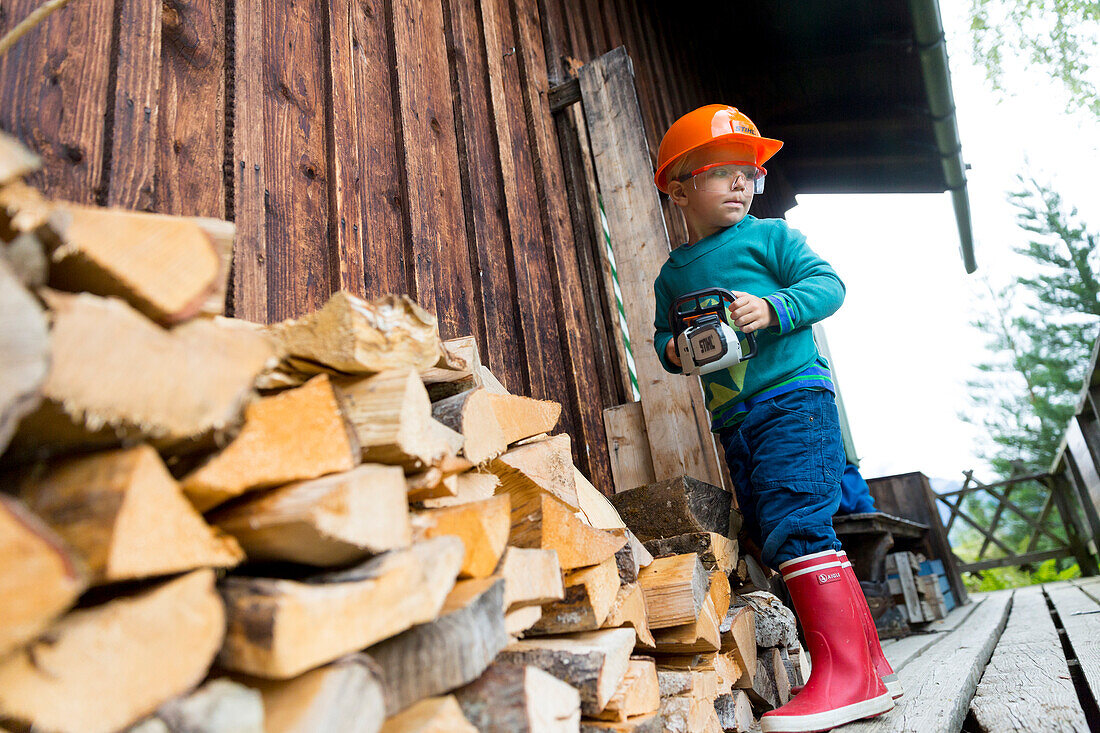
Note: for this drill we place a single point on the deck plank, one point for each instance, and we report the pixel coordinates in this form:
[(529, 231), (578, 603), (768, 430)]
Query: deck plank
[(940, 682), (1029, 650), (1080, 615), (901, 651)]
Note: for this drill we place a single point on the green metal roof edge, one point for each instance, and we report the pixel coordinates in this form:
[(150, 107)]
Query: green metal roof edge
[(929, 36)]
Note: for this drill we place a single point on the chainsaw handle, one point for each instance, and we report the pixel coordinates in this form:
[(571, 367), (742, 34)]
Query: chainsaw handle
[(676, 321), (751, 338)]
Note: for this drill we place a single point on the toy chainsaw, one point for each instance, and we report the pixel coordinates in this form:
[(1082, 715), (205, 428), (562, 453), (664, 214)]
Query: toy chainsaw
[(705, 340)]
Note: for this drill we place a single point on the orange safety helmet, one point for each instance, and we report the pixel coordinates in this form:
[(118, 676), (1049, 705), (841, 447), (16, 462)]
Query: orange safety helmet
[(714, 123)]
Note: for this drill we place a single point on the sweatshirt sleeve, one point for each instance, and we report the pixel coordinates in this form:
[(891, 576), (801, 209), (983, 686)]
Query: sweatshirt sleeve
[(662, 332), (811, 290)]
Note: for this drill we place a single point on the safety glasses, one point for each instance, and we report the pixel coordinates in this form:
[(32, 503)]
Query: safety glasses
[(728, 176)]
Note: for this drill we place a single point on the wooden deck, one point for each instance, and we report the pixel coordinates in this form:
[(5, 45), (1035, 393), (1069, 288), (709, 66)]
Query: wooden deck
[(1019, 660)]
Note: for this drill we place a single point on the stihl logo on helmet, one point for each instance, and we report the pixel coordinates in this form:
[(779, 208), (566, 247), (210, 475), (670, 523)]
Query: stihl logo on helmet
[(823, 578)]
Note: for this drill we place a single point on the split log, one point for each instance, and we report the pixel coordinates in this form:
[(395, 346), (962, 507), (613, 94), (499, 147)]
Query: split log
[(638, 693), (596, 508), (700, 635), (522, 417), (24, 352), (632, 557), (328, 521), (219, 706), (23, 210), (471, 413), (391, 417), (343, 696), (483, 527), (430, 484), (716, 551), (294, 435), (684, 714), (738, 630), (629, 609), (165, 267), (16, 160), (155, 645), (734, 712), (774, 660), (519, 620), (775, 623), (39, 576), (551, 525), (691, 681), (126, 516), (594, 662), (675, 588), (728, 671), (451, 651), (511, 698), (687, 505), (719, 592), (531, 470), (763, 693), (454, 372), (589, 594), (468, 487), (27, 258), (531, 577), (117, 377), (352, 336), (433, 715), (651, 723), (280, 628)]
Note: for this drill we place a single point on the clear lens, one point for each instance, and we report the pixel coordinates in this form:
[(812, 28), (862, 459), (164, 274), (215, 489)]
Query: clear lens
[(729, 177)]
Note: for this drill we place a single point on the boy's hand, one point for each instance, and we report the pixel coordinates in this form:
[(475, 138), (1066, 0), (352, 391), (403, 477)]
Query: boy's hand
[(670, 352), (751, 313)]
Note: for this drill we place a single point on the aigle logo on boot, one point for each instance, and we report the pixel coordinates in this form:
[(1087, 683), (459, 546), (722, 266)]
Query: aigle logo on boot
[(823, 578)]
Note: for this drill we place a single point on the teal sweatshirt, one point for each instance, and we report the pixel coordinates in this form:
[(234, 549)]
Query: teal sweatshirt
[(767, 258)]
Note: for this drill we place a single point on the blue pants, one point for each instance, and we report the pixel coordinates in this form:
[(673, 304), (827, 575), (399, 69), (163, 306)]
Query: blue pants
[(786, 458)]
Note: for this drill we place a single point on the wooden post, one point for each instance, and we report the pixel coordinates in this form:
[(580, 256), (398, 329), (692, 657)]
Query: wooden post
[(676, 418), (1062, 492)]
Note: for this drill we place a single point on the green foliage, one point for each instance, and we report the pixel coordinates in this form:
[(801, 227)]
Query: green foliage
[(1061, 36), (1001, 578)]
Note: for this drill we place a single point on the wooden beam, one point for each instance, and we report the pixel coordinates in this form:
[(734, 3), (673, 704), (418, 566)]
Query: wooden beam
[(673, 405), (1029, 558), (628, 445)]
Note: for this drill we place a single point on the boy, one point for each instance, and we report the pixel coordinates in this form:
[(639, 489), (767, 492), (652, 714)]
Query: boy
[(775, 414)]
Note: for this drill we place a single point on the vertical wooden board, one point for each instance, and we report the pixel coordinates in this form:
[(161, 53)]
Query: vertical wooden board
[(679, 442), (191, 138), (55, 93), (580, 45), (137, 84), (344, 164), (437, 228), (628, 444), (386, 250), (502, 348), (250, 286), (590, 451), (295, 177)]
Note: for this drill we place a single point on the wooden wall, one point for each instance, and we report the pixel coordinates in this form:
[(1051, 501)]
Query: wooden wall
[(373, 145)]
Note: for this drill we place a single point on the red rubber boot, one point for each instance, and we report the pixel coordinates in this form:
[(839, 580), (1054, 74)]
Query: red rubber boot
[(882, 667), (843, 685)]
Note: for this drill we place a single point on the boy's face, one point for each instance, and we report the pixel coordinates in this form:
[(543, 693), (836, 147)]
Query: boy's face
[(708, 211)]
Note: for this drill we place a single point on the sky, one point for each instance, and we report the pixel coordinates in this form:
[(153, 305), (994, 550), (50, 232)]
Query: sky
[(902, 344)]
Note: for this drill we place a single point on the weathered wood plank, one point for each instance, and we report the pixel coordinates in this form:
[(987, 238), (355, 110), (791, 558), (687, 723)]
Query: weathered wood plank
[(55, 94), (1029, 649), (939, 683), (437, 228), (678, 444), (628, 444), (1080, 616), (900, 652)]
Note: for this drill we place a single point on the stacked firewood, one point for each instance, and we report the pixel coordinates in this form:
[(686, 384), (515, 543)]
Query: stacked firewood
[(338, 522)]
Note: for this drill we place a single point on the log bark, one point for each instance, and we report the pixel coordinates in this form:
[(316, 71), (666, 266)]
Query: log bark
[(343, 696), (164, 267), (433, 715), (675, 588), (483, 527), (523, 417), (511, 698), (632, 557), (291, 436), (594, 662), (24, 352), (638, 692), (392, 420), (763, 693), (280, 628), (774, 661), (156, 645), (589, 595), (775, 623), (39, 576), (451, 651), (651, 723), (117, 377), (471, 413), (328, 521), (126, 516), (717, 552), (687, 505), (531, 577), (734, 712)]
